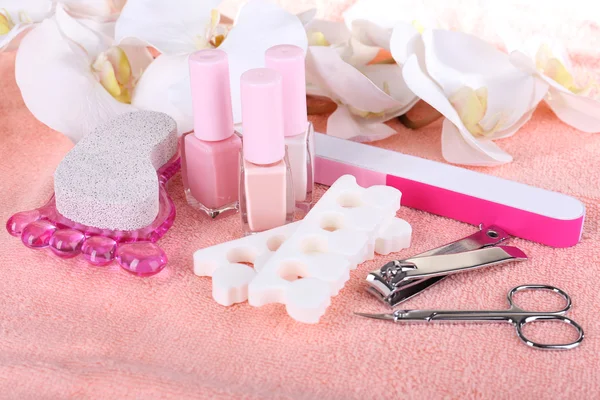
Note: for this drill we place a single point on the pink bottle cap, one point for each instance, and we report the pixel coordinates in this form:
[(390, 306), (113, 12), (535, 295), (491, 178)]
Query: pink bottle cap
[(211, 95), (288, 60), (262, 116)]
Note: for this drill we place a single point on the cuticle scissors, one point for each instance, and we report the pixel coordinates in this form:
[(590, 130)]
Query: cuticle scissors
[(514, 314)]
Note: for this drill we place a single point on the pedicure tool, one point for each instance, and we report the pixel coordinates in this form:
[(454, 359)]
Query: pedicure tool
[(303, 264), (528, 212), (110, 200), (514, 314), (400, 280)]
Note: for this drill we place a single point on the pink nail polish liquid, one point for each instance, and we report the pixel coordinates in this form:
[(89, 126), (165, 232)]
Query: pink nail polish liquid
[(210, 154), (266, 190)]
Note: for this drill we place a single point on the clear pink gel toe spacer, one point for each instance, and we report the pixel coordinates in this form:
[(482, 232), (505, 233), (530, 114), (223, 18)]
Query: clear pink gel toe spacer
[(135, 251)]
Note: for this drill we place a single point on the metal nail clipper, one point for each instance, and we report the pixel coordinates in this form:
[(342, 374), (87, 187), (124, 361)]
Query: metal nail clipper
[(400, 280)]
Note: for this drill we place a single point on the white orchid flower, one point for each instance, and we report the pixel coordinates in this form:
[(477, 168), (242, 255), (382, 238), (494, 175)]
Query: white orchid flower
[(179, 28), (575, 104), (73, 78), (481, 94), (371, 23), (17, 17), (100, 10), (339, 67)]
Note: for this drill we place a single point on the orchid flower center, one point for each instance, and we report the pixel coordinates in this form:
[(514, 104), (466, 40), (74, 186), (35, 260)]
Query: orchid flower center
[(369, 114), (471, 106), (25, 18), (6, 23), (364, 114), (418, 26), (214, 35), (113, 70), (317, 39), (553, 68)]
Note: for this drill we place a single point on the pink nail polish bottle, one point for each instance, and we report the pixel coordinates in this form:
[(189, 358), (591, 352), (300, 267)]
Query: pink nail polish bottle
[(266, 190), (288, 60), (210, 155)]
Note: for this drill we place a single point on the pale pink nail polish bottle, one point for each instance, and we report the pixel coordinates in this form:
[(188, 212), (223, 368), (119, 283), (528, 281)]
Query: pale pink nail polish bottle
[(210, 155), (266, 190), (288, 60)]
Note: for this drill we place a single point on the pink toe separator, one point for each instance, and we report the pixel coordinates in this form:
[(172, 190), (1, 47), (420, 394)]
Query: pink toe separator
[(135, 251)]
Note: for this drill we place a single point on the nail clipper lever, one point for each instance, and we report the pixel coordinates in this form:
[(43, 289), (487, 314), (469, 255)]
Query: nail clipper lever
[(399, 280)]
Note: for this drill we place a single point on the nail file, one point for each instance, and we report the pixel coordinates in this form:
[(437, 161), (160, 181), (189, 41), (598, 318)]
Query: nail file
[(528, 212), (304, 264)]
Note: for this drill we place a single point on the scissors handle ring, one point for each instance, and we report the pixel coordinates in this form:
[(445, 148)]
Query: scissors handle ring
[(565, 346), (554, 289)]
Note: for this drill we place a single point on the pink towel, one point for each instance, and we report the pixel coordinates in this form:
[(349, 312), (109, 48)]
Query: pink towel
[(69, 330)]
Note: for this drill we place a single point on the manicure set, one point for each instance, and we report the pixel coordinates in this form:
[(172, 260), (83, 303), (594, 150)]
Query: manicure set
[(111, 203)]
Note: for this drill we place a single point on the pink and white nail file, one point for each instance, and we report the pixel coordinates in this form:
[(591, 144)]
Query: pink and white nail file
[(304, 264), (535, 214)]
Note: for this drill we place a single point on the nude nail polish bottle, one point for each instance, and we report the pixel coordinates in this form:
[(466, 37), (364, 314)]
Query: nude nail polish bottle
[(210, 154), (288, 60), (266, 190)]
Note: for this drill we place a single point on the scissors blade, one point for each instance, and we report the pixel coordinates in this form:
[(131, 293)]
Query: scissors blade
[(404, 315), (387, 317)]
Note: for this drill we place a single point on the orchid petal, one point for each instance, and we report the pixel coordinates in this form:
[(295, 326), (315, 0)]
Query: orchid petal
[(481, 152), (93, 42), (423, 86), (313, 89), (334, 33), (533, 90), (373, 21), (508, 132), (306, 17), (343, 124), (104, 10), (58, 86), (345, 83), (456, 59), (260, 25), (161, 89), (523, 62), (139, 56), (532, 46), (106, 28), (405, 40), (383, 13), (20, 17), (13, 38), (27, 11), (580, 112), (371, 34), (458, 148), (388, 77), (357, 53), (229, 9), (139, 59), (172, 27)]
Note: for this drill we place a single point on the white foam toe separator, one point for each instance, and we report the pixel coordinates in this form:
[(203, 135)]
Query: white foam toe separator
[(304, 264), (108, 180)]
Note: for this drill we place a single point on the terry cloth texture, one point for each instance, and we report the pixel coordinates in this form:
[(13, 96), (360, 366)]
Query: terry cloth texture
[(71, 330)]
